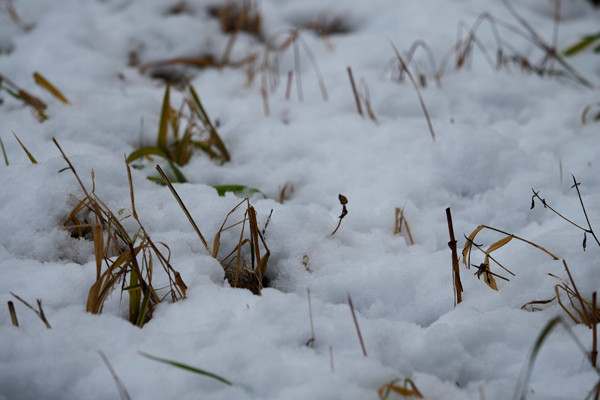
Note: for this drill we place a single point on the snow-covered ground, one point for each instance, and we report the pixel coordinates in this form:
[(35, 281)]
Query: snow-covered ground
[(499, 132)]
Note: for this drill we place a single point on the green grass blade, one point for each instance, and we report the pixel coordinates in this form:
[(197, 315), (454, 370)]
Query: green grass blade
[(240, 190), (178, 174), (135, 298), (581, 45), (187, 368), (163, 125), (146, 152), (144, 309)]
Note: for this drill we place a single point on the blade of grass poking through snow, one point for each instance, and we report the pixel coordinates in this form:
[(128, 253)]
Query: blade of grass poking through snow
[(155, 151), (120, 387), (362, 344), (39, 312), (198, 108), (163, 125), (238, 190), (584, 43), (13, 314), (43, 82), (311, 341), (416, 86), (354, 91), (183, 207), (4, 152), (187, 368), (29, 155), (521, 388)]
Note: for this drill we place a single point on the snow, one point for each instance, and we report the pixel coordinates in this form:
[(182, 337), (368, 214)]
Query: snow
[(499, 133)]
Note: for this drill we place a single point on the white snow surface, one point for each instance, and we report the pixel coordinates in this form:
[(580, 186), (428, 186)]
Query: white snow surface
[(499, 133)]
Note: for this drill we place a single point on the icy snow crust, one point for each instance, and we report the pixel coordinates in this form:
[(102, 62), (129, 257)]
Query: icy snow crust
[(499, 134)]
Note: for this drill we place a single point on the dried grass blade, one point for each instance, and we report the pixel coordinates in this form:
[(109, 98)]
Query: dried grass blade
[(416, 86), (587, 319), (13, 314), (43, 82), (29, 155), (467, 249), (499, 244), (362, 343), (4, 153), (98, 249), (185, 210)]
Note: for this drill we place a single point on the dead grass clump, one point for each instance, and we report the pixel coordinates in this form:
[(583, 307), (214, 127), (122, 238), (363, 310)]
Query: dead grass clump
[(245, 264), (501, 56), (268, 66), (122, 259), (182, 132), (236, 16), (579, 309), (324, 26), (483, 269)]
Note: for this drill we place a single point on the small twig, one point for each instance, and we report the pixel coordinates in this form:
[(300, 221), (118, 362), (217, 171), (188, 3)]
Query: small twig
[(343, 202), (362, 344), (356, 97), (267, 223), (546, 205), (590, 231), (478, 247), (13, 314), (457, 285)]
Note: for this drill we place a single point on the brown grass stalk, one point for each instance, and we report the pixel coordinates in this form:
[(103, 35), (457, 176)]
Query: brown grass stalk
[(13, 314), (354, 91), (416, 86), (362, 343)]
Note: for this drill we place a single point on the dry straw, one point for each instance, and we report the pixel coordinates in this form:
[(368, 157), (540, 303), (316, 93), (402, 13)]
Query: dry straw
[(246, 264), (121, 259)]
